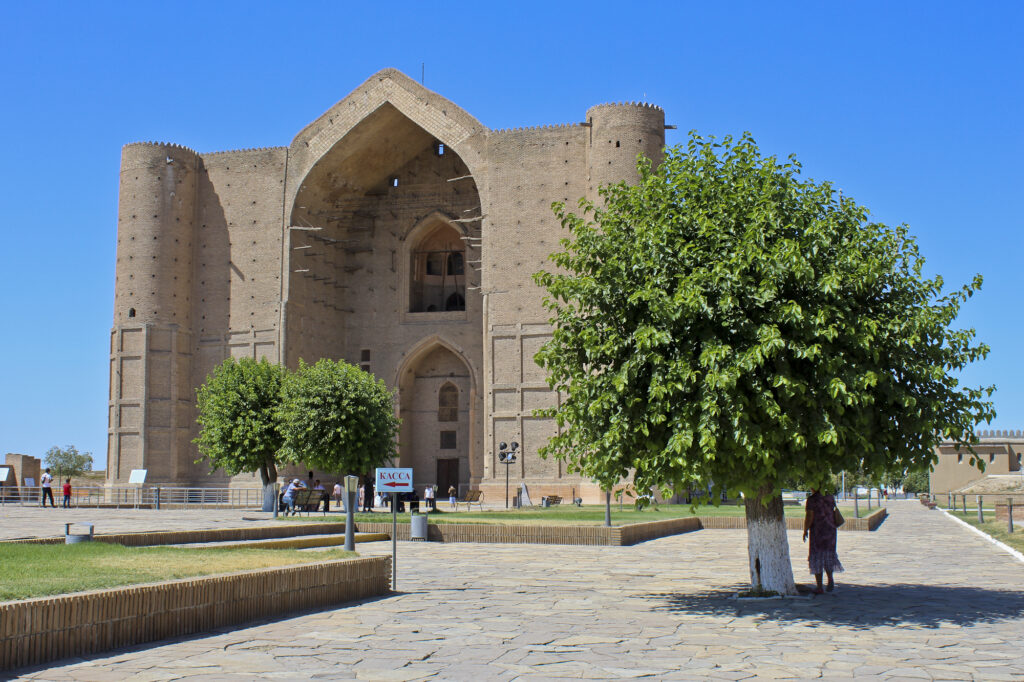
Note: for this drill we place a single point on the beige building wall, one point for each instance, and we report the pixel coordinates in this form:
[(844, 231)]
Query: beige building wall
[(1000, 451), (395, 232)]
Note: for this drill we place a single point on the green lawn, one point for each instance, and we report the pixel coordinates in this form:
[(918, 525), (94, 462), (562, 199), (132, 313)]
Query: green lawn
[(42, 570), (998, 530), (587, 515)]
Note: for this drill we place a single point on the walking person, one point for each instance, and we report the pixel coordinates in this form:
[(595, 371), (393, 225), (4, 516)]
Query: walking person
[(428, 496), (47, 482), (67, 494), (820, 523), (452, 497)]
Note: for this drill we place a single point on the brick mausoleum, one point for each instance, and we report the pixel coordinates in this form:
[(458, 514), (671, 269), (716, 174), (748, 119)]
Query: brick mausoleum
[(395, 232)]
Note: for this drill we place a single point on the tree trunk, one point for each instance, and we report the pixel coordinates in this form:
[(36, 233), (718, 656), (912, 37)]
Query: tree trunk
[(268, 474), (767, 544)]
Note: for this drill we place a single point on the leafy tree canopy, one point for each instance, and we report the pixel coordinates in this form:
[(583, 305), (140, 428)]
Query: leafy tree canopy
[(728, 321), (67, 462), (338, 418), (239, 418)]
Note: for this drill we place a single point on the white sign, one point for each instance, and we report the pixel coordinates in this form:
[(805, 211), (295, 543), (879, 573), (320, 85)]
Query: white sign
[(394, 480), (138, 476)]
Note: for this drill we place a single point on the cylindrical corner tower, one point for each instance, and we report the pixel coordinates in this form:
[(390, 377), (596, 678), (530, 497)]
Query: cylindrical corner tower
[(618, 134), (151, 346)]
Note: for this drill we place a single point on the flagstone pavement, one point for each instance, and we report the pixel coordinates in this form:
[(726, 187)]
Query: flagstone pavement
[(922, 598)]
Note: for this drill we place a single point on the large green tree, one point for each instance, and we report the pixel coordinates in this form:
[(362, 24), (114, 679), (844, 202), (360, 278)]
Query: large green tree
[(727, 322), (338, 418), (67, 462), (239, 418)]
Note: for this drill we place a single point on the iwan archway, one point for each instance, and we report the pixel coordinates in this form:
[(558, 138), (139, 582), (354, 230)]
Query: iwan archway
[(441, 417)]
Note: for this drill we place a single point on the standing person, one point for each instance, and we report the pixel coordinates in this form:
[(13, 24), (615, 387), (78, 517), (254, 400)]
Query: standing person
[(67, 494), (337, 494), (46, 482), (820, 523), (453, 497), (361, 503), (369, 501), (428, 495)]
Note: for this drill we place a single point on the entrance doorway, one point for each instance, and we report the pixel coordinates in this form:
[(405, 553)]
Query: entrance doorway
[(447, 476)]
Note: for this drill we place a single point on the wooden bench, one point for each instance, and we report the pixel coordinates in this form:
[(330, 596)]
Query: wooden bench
[(308, 500), (550, 500), (473, 497)]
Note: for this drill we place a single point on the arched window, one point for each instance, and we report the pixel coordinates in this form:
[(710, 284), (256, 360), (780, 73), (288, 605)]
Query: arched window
[(437, 271), (448, 403), (455, 302), (455, 264)]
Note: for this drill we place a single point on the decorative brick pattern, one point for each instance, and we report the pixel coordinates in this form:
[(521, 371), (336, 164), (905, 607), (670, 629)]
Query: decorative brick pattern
[(35, 631)]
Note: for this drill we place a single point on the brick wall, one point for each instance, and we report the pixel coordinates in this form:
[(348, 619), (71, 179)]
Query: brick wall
[(35, 631)]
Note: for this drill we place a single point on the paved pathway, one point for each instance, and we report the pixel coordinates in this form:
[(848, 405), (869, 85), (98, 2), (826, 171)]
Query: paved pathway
[(922, 598)]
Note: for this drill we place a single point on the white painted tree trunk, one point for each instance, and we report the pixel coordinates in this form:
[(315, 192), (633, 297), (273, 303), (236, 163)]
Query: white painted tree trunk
[(767, 545)]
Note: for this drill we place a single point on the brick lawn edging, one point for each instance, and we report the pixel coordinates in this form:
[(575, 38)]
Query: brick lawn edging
[(868, 523), (618, 536), (35, 631), (185, 537)]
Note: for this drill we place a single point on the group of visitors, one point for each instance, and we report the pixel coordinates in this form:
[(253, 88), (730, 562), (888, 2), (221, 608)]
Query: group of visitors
[(47, 485)]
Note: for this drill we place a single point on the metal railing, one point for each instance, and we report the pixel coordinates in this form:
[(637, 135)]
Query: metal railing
[(139, 497)]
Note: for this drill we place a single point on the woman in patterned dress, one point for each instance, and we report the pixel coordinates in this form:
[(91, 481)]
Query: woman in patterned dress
[(820, 523)]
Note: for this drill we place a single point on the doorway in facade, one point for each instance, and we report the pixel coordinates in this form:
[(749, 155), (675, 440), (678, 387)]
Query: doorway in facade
[(447, 476)]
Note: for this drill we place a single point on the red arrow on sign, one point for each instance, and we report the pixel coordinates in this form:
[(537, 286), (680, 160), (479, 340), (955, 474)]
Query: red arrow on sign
[(395, 484)]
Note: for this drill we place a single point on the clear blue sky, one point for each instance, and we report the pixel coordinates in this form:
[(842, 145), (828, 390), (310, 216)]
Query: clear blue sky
[(913, 108)]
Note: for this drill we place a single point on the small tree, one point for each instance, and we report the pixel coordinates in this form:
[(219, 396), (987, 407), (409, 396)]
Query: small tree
[(68, 462), (337, 417), (239, 418), (726, 321), (916, 482)]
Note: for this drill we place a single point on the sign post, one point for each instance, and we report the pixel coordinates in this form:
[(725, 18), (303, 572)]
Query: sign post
[(394, 481)]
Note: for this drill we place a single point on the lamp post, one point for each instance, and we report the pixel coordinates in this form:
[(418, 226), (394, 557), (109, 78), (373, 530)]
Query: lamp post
[(507, 456), (351, 488)]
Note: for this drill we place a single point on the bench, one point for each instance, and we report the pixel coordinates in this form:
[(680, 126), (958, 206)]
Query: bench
[(550, 500), (473, 497), (308, 500)]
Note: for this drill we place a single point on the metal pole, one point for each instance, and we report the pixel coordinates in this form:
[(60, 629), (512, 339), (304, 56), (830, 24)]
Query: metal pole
[(350, 535), (856, 506), (1009, 514), (608, 508), (981, 515), (158, 498), (506, 484), (965, 504), (394, 540)]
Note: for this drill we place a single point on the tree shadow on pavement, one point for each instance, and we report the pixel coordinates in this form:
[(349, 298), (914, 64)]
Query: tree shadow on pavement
[(860, 606)]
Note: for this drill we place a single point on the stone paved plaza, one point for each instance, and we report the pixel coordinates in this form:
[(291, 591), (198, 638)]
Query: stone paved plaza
[(922, 598)]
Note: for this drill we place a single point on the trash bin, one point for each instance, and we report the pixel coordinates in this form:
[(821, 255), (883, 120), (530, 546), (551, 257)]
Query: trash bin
[(418, 527)]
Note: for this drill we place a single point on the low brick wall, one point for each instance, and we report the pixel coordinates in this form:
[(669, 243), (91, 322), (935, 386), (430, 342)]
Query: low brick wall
[(35, 631), (185, 537), (1003, 512), (519, 534), (618, 536)]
